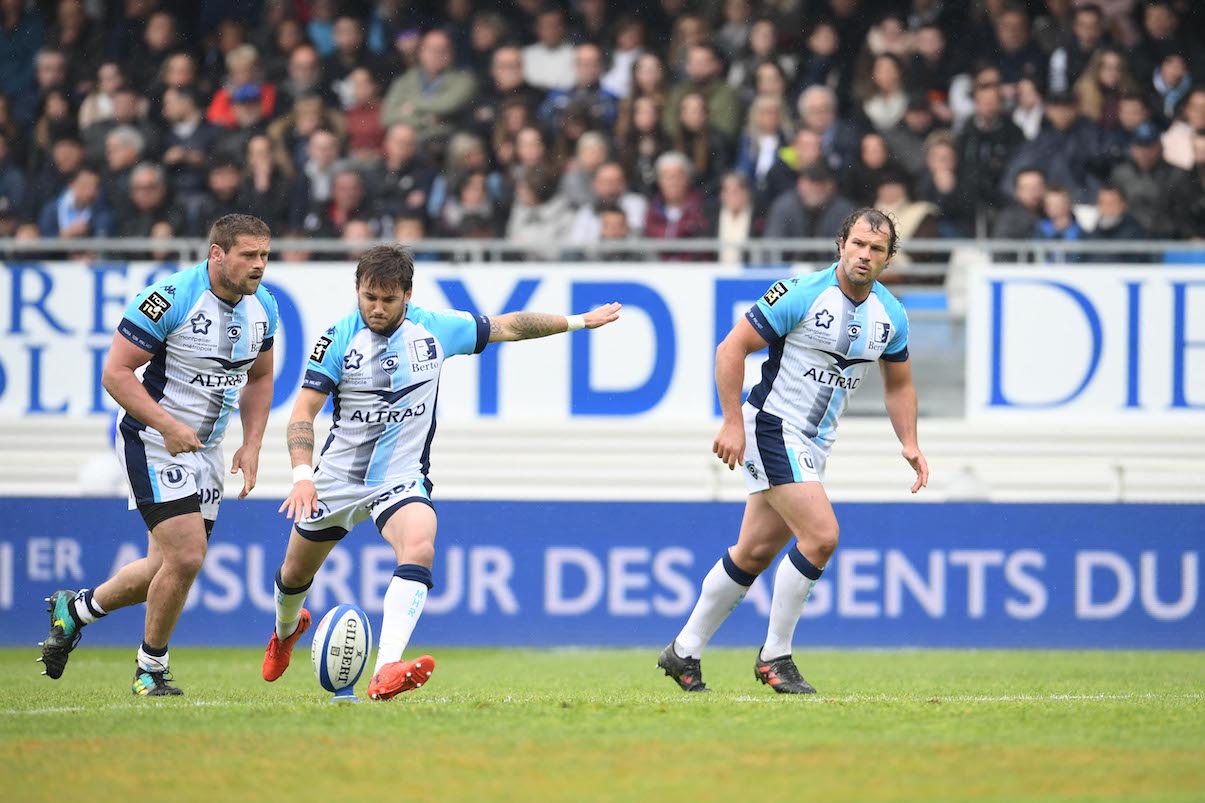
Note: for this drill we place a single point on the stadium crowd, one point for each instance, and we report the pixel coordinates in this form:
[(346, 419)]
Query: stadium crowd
[(549, 124)]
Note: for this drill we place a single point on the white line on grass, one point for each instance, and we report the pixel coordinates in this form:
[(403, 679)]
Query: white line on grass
[(683, 699)]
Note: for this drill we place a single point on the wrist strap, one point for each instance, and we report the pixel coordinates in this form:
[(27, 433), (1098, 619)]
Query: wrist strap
[(302, 472), (575, 322)]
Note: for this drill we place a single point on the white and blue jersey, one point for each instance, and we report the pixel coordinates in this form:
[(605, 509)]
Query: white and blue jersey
[(821, 345), (385, 389), (203, 348)]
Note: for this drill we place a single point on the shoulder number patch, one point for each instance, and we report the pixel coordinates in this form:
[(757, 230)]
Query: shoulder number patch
[(774, 293), (320, 348), (154, 305)]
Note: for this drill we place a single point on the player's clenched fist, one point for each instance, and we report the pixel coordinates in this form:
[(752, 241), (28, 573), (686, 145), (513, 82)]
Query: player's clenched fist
[(180, 438)]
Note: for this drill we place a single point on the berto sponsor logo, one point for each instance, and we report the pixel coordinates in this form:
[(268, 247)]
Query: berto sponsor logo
[(423, 349), (424, 354)]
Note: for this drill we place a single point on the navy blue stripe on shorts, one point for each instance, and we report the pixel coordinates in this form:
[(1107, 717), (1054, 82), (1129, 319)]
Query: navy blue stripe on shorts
[(773, 449)]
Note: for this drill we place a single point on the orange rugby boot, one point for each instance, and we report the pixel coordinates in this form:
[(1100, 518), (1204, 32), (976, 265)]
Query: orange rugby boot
[(399, 676), (280, 651)]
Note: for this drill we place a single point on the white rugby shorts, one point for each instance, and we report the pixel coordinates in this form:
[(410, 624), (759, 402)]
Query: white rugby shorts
[(777, 453), (154, 475), (342, 505)]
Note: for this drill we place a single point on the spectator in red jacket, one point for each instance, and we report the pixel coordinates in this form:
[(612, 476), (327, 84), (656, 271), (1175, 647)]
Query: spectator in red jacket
[(677, 209), (242, 70)]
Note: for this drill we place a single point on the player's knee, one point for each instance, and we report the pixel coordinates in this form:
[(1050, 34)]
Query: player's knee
[(187, 562), (824, 540), (755, 558), (420, 552), (294, 575)]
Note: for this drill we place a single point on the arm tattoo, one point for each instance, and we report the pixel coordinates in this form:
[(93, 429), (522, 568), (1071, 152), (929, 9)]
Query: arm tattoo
[(527, 325), (300, 435), (495, 328)]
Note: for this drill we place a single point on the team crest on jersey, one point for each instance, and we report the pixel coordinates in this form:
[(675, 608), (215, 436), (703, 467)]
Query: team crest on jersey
[(883, 333), (854, 327), (774, 293), (389, 362), (423, 349), (320, 349), (234, 331), (154, 305)]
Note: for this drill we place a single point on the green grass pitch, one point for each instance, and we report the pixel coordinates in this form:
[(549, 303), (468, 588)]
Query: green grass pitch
[(606, 725)]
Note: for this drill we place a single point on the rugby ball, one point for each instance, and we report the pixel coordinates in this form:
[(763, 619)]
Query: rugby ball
[(340, 648)]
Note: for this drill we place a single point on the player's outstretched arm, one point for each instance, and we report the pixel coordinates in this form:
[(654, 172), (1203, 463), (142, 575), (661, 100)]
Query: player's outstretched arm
[(526, 325), (899, 394), (303, 498), (730, 355), (254, 404), (119, 380)]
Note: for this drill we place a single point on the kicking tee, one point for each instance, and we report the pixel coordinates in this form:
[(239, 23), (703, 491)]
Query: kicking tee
[(385, 389), (203, 348), (821, 344)]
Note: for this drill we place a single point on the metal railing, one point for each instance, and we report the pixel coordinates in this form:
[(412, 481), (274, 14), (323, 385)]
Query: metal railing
[(927, 261)]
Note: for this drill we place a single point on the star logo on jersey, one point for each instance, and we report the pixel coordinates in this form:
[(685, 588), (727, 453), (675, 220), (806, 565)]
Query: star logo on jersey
[(200, 324), (824, 319), (352, 360)]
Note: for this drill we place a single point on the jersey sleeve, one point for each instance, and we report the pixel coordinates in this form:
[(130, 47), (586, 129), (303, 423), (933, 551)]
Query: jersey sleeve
[(269, 303), (325, 366), (779, 311), (459, 332), (897, 346), (152, 316)]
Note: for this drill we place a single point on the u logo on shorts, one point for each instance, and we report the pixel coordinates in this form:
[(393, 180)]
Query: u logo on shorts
[(173, 476)]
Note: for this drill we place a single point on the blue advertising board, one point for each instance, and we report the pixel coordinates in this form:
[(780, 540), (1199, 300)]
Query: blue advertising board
[(591, 573)]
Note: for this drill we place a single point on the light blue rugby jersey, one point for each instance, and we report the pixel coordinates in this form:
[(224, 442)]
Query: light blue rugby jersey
[(203, 348), (385, 389), (821, 344)]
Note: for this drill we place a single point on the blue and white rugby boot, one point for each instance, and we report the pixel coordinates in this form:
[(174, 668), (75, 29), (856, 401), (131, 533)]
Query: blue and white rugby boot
[(154, 684), (65, 632)]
